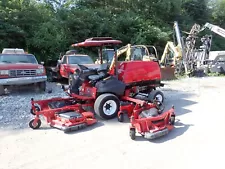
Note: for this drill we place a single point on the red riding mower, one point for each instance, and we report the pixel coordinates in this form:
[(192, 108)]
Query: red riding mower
[(107, 90)]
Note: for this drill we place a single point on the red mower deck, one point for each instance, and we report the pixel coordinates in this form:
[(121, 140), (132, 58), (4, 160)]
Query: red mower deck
[(61, 113)]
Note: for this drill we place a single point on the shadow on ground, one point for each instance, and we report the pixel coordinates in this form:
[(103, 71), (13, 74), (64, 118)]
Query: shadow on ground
[(179, 99), (179, 129)]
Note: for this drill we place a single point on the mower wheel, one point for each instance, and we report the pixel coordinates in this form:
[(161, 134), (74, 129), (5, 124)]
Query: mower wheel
[(121, 117), (172, 120), (107, 106), (37, 109), (31, 124), (156, 94), (132, 133)]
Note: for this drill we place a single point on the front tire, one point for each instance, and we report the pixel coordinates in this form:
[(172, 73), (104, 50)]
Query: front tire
[(70, 79), (42, 86), (107, 106), (2, 91)]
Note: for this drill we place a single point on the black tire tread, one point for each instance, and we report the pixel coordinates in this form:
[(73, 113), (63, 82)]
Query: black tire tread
[(132, 134), (98, 103), (35, 127), (153, 94)]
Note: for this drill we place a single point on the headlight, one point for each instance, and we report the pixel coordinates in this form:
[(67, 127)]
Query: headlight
[(4, 72), (40, 71)]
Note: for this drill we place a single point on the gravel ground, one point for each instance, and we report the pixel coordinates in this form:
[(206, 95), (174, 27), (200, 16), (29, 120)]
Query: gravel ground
[(15, 108), (196, 142)]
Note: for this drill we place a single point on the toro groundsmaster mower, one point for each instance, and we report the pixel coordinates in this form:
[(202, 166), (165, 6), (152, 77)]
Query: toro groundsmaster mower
[(108, 90)]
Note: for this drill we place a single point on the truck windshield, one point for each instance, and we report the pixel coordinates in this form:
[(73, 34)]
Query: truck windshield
[(76, 59), (17, 58)]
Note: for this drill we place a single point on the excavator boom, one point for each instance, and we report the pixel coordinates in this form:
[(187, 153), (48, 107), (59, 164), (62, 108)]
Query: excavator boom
[(214, 28)]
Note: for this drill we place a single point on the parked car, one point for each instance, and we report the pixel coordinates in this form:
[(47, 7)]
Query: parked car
[(67, 65), (20, 68), (216, 62)]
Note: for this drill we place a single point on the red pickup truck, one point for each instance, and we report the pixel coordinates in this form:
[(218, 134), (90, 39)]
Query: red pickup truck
[(67, 65), (20, 68)]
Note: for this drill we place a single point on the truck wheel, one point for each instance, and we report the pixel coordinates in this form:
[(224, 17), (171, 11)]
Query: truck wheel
[(50, 77), (2, 91), (107, 106), (70, 79), (156, 94), (42, 86)]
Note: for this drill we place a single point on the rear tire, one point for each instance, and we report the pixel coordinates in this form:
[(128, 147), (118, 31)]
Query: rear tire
[(107, 106), (156, 94)]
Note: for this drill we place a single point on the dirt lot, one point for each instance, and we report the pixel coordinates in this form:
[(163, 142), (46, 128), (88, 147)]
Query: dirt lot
[(196, 142)]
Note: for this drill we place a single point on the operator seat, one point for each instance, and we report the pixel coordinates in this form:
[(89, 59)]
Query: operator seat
[(92, 75), (102, 73)]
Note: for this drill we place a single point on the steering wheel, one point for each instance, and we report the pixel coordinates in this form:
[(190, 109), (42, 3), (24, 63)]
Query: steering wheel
[(102, 69), (82, 67)]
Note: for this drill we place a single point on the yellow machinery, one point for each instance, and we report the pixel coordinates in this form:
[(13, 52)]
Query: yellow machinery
[(169, 62), (171, 56), (148, 53)]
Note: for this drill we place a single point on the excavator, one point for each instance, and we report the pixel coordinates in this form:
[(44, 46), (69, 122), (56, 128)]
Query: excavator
[(185, 57)]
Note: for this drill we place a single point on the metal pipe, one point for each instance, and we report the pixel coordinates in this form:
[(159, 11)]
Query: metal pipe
[(116, 65), (178, 34), (100, 55)]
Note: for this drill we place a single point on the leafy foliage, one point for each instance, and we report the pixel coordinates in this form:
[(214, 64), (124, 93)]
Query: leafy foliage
[(48, 27)]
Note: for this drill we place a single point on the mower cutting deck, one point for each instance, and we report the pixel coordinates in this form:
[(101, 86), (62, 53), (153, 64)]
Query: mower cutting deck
[(61, 113), (147, 118), (150, 123)]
